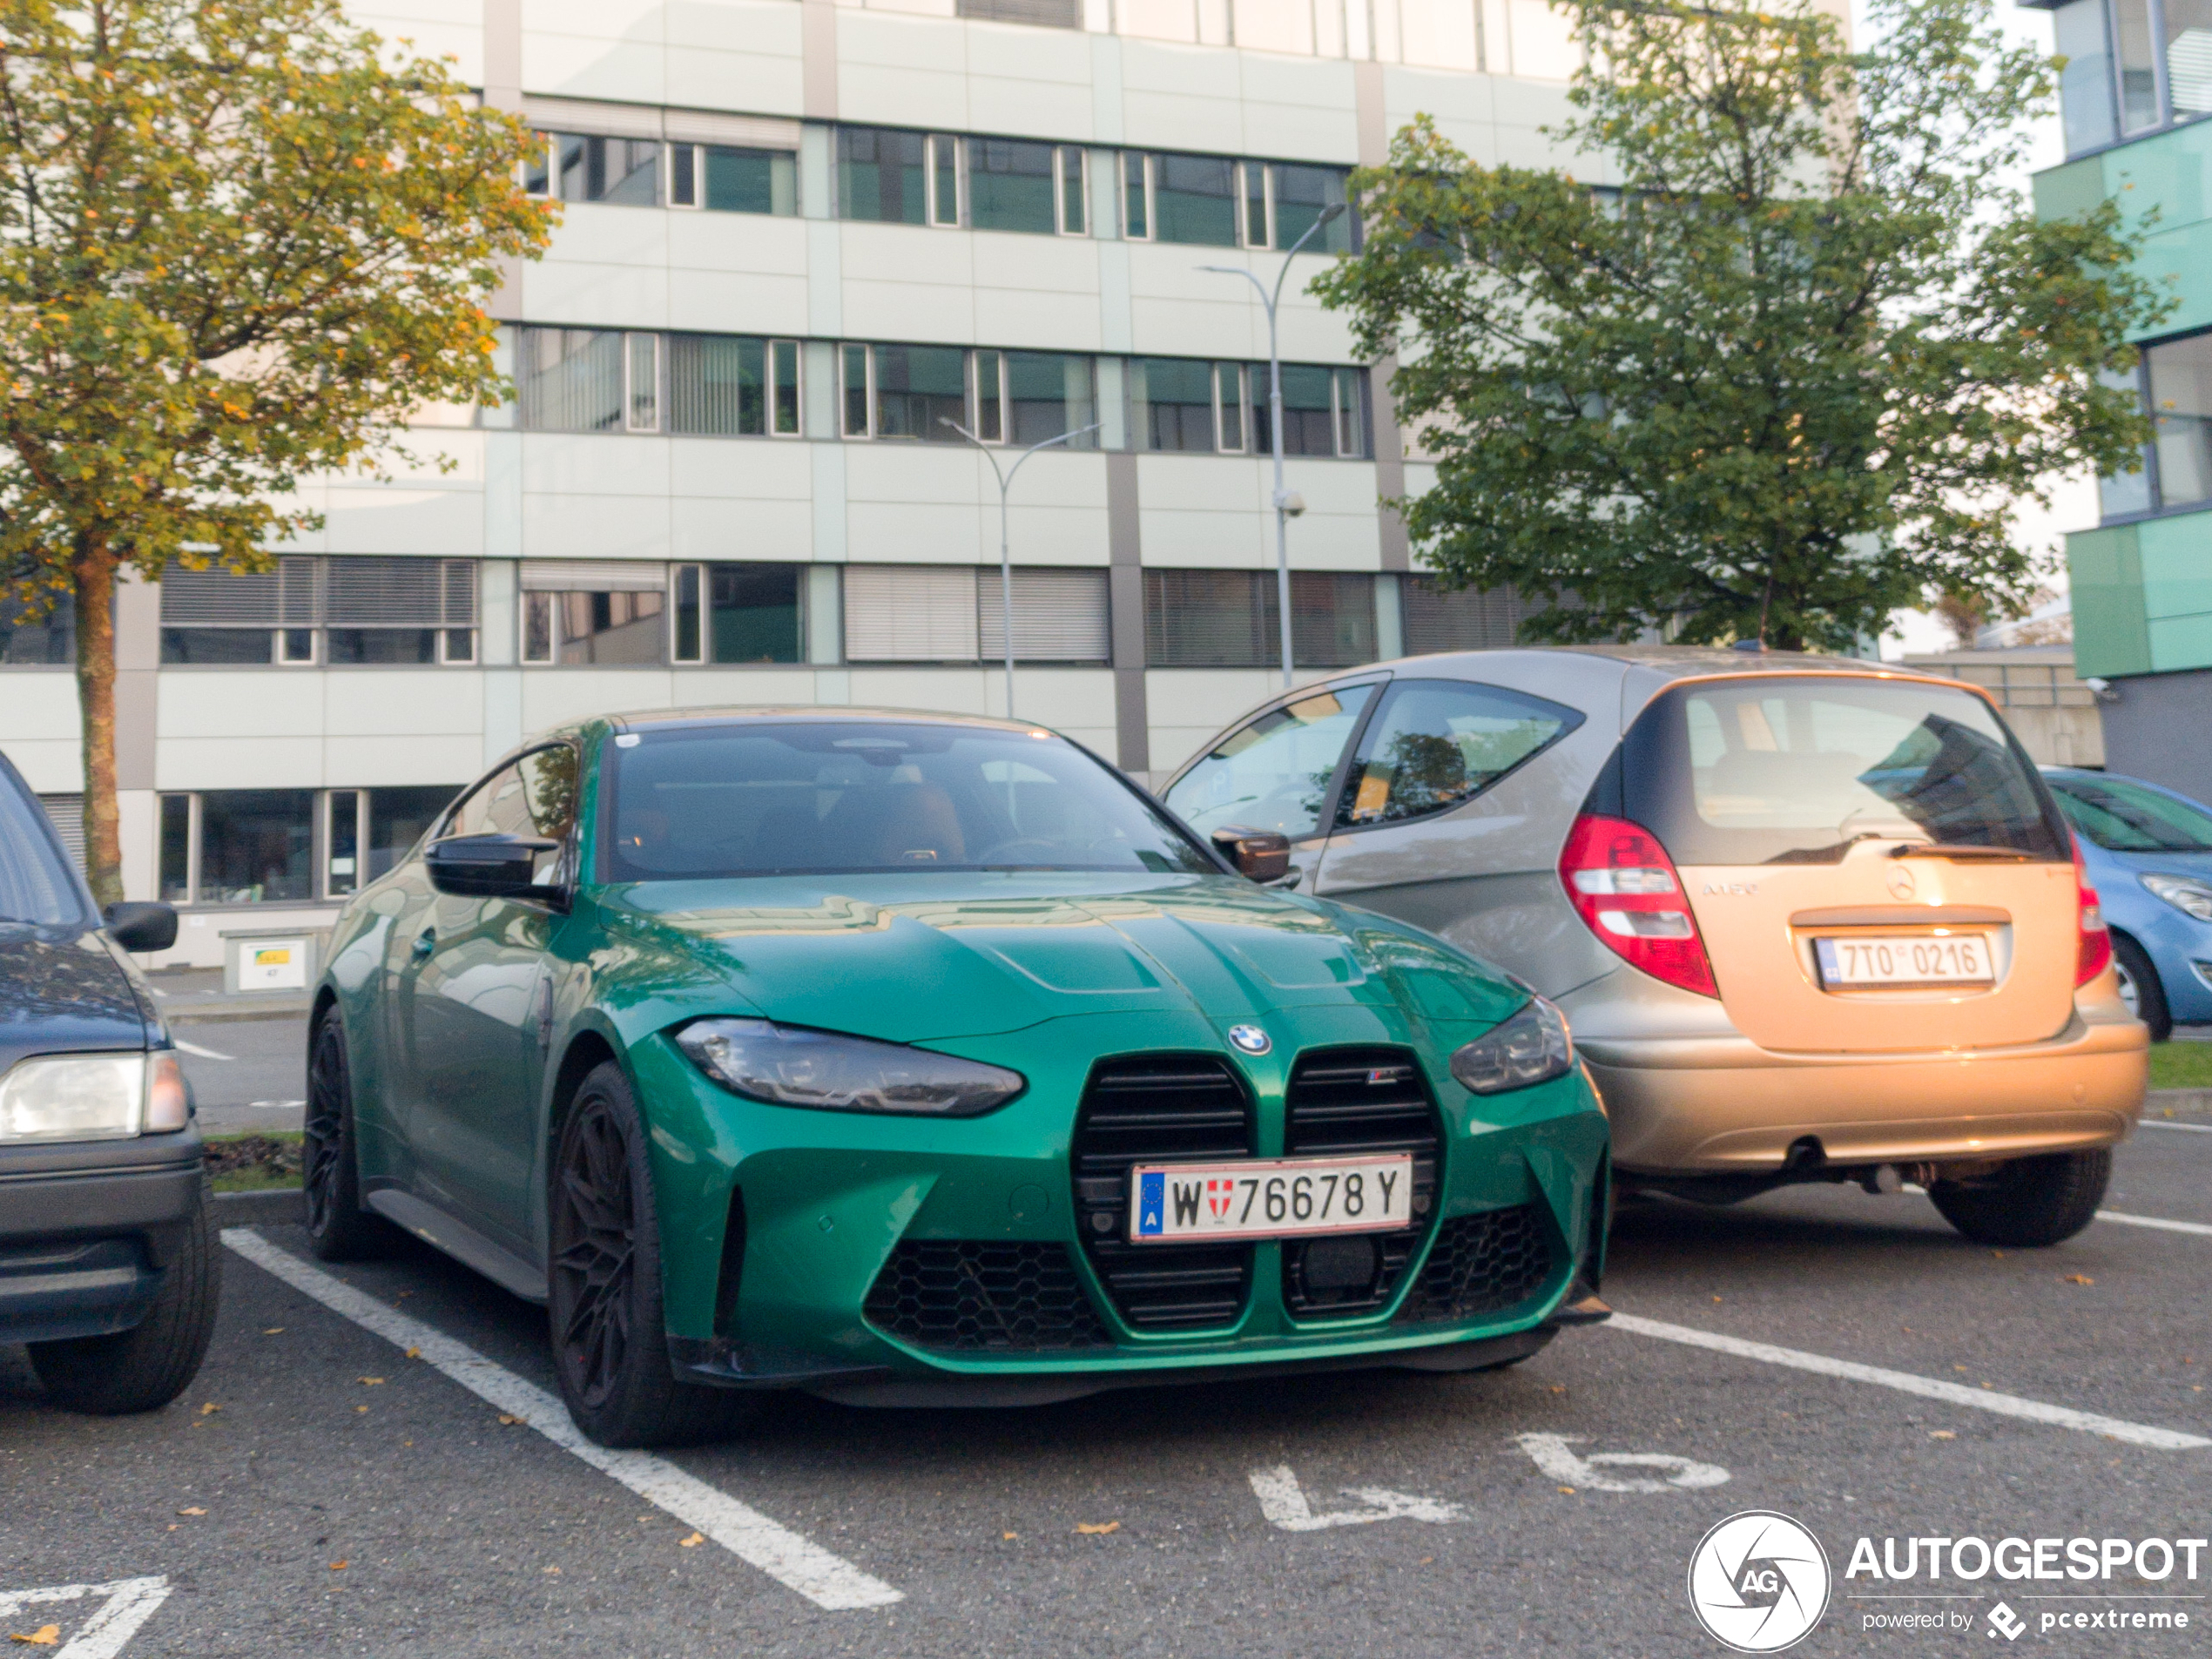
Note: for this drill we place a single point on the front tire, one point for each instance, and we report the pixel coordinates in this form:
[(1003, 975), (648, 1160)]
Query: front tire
[(610, 1331), (2140, 987), (2029, 1203), (338, 1229), (145, 1368)]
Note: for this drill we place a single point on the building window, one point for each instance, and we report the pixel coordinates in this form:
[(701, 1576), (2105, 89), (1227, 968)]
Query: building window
[(1136, 196), (255, 847), (1229, 619), (233, 846), (912, 392), (2133, 66), (1069, 172), (1047, 14), (579, 167), (2174, 379), (578, 612), (731, 386), (1208, 201), (899, 613), (1176, 404), (722, 178), (1438, 618), (36, 630), (570, 380), (882, 175), (66, 814), (348, 611), (1193, 201), (732, 614), (1298, 195), (1010, 186)]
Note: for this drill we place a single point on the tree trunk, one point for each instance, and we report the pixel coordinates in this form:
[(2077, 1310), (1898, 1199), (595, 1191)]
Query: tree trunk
[(93, 571)]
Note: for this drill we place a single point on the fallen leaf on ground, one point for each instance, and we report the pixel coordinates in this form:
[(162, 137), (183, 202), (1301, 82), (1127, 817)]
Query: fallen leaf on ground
[(1098, 1528), (2079, 1278), (360, 1408), (1009, 1536), (273, 1330), (553, 1572), (195, 1510), (370, 1382), (46, 1635), (1558, 1388), (509, 1421), (1941, 1434), (1567, 1492), (338, 1567), (209, 1409), (412, 1353), (692, 1542)]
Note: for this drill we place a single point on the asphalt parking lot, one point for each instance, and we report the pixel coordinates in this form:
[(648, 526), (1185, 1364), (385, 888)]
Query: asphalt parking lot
[(320, 1490)]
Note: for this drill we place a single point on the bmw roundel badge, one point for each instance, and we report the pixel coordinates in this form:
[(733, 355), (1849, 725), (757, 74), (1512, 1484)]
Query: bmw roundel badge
[(1250, 1039)]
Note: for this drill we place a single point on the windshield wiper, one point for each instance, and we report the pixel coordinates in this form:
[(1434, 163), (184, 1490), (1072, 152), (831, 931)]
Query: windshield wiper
[(1957, 849)]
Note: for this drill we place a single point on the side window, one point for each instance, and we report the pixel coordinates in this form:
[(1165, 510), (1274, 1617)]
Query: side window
[(1437, 743), (534, 797), (1273, 774)]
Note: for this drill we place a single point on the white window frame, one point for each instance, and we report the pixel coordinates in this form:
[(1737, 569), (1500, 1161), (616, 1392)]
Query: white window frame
[(328, 819), (1243, 376), (929, 172), (698, 177), (192, 842), (1343, 415), (1060, 152), (675, 602), (448, 657), (534, 599), (1244, 170), (844, 391), (283, 659), (799, 386), (976, 392), (1145, 183), (631, 422)]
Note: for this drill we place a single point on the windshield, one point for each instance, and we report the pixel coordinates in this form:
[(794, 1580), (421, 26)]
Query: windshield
[(35, 885), (839, 796), (1795, 769), (2123, 817)]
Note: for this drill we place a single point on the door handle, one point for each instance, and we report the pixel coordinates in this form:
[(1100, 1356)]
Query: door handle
[(425, 942)]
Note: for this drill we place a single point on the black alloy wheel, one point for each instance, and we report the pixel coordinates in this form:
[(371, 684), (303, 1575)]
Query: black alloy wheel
[(604, 1291), (2140, 988), (338, 1229)]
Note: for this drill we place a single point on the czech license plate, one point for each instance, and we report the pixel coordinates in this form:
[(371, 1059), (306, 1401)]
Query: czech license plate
[(1956, 959), (1270, 1197)]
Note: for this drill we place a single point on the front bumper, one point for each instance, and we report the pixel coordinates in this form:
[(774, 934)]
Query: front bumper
[(825, 1199), (1715, 1104), (87, 1230)]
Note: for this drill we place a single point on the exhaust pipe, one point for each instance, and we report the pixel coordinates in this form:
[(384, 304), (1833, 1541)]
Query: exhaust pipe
[(1883, 1178)]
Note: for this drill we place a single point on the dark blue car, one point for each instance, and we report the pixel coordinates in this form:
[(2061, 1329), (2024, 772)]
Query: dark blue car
[(2149, 854)]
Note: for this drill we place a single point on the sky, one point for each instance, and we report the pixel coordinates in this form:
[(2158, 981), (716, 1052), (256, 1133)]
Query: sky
[(2073, 501)]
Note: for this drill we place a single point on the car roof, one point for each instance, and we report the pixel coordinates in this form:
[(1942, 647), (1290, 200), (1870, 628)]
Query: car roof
[(1679, 662), (782, 714)]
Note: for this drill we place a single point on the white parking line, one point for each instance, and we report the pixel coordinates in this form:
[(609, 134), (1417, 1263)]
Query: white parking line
[(129, 1604), (2156, 1221), (1985, 1400), (2193, 1129), (826, 1580), (194, 1049)]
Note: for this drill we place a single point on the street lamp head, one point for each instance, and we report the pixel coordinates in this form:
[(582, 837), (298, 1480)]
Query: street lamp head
[(1332, 212)]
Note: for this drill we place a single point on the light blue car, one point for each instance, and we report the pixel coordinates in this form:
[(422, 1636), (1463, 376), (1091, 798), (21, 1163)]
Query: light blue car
[(2149, 853)]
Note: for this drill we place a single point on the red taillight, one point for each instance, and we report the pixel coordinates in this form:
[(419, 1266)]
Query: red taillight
[(2096, 941), (1623, 885)]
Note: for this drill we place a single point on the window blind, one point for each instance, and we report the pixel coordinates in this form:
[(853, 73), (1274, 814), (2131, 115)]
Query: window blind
[(593, 576), (1050, 14), (379, 592), (284, 597), (910, 613), (1440, 620), (66, 813), (1059, 616)]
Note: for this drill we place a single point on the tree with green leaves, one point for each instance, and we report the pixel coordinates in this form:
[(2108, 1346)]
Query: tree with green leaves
[(1794, 370), (240, 242)]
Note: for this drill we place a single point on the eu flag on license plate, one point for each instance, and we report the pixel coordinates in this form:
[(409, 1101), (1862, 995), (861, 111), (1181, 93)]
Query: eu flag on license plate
[(1152, 1201)]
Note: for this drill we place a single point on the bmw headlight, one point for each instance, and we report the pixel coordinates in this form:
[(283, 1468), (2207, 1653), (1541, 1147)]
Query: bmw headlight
[(788, 1066), (92, 1096), (1533, 1046), (2184, 892)]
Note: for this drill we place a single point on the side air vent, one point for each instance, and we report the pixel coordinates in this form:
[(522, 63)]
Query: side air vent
[(1482, 1263), (978, 1297), (1150, 1109), (1352, 1101)]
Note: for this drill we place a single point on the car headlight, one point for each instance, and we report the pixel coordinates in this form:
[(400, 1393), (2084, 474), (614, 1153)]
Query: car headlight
[(2185, 893), (1533, 1046), (92, 1096), (788, 1066)]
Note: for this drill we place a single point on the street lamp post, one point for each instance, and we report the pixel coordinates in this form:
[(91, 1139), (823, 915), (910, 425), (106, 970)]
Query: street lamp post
[(1286, 505), (1005, 475)]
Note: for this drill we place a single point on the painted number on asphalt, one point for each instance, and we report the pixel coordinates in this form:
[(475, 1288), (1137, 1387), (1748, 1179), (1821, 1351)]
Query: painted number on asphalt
[(1593, 1471), (122, 1607), (1283, 1501)]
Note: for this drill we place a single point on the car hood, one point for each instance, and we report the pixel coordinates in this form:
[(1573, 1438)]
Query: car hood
[(61, 992), (2198, 863), (911, 959)]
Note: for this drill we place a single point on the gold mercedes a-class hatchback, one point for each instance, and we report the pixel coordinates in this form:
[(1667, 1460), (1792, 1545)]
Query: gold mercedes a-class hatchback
[(1812, 919)]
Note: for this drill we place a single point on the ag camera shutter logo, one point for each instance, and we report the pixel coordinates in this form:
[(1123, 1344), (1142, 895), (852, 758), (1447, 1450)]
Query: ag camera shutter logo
[(1758, 1582)]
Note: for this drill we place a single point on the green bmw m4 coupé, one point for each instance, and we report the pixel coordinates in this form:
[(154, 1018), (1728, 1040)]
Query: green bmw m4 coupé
[(919, 1059)]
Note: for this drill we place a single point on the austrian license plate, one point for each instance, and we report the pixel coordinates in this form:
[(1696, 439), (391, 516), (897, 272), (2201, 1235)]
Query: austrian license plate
[(1270, 1197), (1956, 959)]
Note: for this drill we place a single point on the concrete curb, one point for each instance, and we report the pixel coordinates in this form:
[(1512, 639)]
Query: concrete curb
[(2159, 1102), (283, 1008), (278, 1207)]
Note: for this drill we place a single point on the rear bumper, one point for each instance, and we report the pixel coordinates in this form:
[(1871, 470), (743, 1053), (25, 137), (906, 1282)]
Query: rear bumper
[(1715, 1104), (87, 1230)]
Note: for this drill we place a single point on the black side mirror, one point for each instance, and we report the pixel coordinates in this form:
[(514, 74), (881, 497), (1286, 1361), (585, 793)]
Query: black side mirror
[(141, 927), (1258, 854), (490, 867)]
